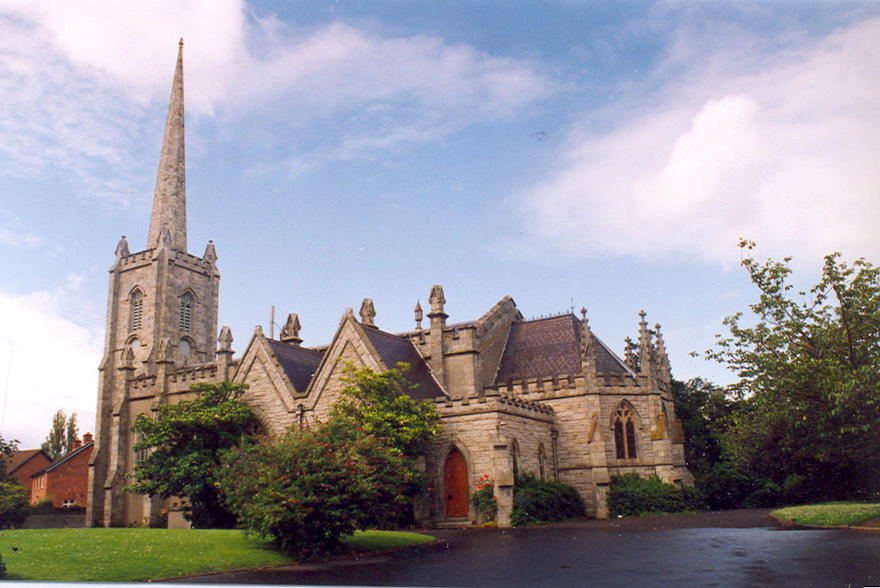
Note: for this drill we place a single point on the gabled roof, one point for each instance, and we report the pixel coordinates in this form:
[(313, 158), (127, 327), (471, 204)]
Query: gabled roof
[(551, 347), (299, 363), (393, 349), (21, 457), (64, 459)]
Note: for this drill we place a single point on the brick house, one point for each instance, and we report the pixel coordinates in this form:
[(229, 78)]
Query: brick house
[(66, 480), (543, 396), (22, 464)]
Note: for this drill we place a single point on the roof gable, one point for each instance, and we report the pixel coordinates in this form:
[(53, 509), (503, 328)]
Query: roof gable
[(22, 457), (298, 363), (61, 461)]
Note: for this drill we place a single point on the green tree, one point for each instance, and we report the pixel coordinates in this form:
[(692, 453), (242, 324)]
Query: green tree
[(184, 446), (62, 435), (311, 487), (7, 448), (358, 470), (381, 404), (809, 370), (704, 410), (14, 504)]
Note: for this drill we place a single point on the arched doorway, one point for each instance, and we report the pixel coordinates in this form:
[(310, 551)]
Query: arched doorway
[(455, 484)]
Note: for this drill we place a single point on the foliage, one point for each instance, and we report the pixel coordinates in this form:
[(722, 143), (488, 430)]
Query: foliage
[(14, 507), (484, 499), (809, 371), (830, 514), (703, 409), (310, 488), (543, 501), (7, 448), (2, 568), (62, 436), (105, 555), (381, 405), (632, 495), (185, 444)]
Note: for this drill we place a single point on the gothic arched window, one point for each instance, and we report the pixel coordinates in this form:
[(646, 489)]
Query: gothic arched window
[(625, 432), (184, 323), (135, 309)]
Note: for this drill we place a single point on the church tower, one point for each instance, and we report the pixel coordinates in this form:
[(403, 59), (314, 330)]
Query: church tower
[(161, 322)]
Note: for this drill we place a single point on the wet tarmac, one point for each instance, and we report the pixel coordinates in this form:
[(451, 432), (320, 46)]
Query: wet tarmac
[(742, 548)]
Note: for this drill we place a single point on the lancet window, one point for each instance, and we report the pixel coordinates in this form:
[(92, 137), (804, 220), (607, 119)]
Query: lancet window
[(185, 320), (135, 309), (625, 432)]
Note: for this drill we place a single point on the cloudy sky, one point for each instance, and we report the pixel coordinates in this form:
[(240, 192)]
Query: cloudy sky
[(606, 155)]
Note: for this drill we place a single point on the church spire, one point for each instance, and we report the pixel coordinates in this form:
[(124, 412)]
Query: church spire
[(169, 202)]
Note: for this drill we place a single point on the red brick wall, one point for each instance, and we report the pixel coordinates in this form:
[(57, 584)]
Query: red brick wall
[(70, 480), (31, 466)]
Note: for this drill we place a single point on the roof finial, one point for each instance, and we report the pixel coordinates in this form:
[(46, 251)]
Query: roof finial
[(169, 201)]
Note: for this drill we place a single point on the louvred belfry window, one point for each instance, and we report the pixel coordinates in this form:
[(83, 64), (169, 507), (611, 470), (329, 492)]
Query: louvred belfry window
[(186, 304), (136, 310), (624, 432)]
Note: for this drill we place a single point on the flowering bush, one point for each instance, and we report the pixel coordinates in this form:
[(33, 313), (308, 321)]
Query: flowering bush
[(310, 488), (484, 499)]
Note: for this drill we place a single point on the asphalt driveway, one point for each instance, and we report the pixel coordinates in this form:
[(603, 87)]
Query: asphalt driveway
[(731, 548)]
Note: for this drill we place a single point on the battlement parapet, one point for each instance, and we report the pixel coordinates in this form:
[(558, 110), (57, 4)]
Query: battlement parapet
[(196, 373), (136, 259), (493, 401), (145, 385)]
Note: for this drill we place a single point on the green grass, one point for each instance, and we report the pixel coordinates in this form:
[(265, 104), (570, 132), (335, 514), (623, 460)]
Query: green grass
[(131, 555), (829, 514)]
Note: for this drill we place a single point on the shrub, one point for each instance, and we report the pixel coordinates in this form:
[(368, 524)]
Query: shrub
[(536, 501), (630, 495), (14, 507), (310, 488), (484, 499)]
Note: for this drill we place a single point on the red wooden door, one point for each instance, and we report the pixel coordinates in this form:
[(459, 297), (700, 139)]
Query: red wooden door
[(455, 484)]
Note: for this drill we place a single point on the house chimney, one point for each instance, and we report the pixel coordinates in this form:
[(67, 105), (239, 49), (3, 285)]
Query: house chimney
[(87, 438), (77, 443)]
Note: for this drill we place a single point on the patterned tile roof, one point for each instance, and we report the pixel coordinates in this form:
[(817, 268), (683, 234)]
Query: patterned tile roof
[(394, 349), (549, 347), (299, 363)]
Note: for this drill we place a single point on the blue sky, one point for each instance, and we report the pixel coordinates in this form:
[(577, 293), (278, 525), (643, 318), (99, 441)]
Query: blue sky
[(597, 154)]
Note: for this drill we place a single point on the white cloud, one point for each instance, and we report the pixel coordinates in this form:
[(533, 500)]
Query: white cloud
[(78, 80), (50, 362), (778, 148)]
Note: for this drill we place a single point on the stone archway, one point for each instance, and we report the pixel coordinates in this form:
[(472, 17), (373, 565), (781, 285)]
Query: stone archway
[(455, 485)]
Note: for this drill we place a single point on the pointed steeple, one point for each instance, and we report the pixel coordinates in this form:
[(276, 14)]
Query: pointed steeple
[(169, 201)]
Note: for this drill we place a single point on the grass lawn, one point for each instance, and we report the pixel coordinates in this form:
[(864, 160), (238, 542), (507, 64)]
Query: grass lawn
[(130, 555), (830, 514)]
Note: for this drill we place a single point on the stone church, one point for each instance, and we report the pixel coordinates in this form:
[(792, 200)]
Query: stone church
[(545, 396)]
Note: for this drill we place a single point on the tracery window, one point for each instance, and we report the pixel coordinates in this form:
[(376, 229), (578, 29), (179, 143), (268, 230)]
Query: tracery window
[(185, 320), (135, 309), (625, 432)]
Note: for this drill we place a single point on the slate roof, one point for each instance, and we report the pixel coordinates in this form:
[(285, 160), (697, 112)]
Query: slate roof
[(549, 347), (299, 363), (393, 349)]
